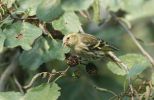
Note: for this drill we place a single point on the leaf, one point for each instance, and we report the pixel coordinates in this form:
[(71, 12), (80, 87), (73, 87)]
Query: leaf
[(144, 8), (56, 50), (28, 5), (131, 60), (126, 5), (76, 5), (2, 39), (44, 50), (83, 88), (131, 7), (69, 22), (136, 70), (6, 21), (21, 34), (10, 96), (43, 92), (49, 10)]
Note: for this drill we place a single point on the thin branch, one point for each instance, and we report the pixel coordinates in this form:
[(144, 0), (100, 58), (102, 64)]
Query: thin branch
[(9, 70), (33, 79), (118, 61), (18, 84), (106, 90), (122, 23), (45, 74)]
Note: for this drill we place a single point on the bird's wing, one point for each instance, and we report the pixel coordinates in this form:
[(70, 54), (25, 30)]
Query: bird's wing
[(94, 43), (88, 40)]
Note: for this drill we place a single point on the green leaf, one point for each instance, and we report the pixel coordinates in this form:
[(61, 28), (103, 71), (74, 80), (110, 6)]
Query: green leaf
[(56, 50), (126, 5), (49, 10), (6, 21), (136, 70), (131, 60), (69, 22), (10, 96), (21, 34), (43, 92), (2, 39), (84, 88), (131, 7), (44, 50), (28, 5), (76, 5)]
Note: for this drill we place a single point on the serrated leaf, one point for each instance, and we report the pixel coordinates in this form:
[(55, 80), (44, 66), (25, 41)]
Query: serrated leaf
[(49, 10), (21, 34), (44, 50), (43, 92), (76, 5), (28, 5), (10, 96), (2, 39), (69, 22), (131, 60)]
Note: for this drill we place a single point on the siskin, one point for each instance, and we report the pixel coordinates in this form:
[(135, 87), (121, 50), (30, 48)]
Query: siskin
[(89, 47)]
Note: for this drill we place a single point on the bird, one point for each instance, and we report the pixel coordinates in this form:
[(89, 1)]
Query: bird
[(88, 46)]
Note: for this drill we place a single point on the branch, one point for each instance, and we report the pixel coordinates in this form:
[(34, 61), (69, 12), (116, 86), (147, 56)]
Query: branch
[(105, 90), (18, 84), (122, 23), (45, 74), (9, 71)]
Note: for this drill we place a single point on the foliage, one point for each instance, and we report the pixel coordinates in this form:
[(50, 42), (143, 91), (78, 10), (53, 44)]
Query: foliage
[(34, 30)]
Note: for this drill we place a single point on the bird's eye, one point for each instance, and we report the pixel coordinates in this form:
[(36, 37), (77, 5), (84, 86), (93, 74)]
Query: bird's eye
[(68, 38)]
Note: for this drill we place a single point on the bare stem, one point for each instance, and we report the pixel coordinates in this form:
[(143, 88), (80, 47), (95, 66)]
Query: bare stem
[(18, 84), (44, 74), (118, 61), (146, 54), (105, 90)]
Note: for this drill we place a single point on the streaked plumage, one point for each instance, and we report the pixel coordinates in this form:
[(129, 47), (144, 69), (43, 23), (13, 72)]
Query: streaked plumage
[(88, 46)]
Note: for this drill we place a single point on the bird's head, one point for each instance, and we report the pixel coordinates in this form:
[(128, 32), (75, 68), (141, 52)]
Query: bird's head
[(70, 40)]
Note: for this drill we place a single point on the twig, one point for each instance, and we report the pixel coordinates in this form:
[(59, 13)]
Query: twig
[(105, 90), (34, 79), (7, 73), (44, 74), (42, 26), (18, 84), (118, 61), (125, 67), (62, 73), (134, 39)]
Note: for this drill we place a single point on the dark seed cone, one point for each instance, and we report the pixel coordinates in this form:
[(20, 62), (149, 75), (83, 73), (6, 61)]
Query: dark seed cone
[(91, 69), (72, 60)]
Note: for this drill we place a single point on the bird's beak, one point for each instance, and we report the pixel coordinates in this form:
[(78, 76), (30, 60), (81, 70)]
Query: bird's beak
[(64, 44)]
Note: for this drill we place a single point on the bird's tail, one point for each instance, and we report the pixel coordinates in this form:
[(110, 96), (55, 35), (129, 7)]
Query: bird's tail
[(117, 61)]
